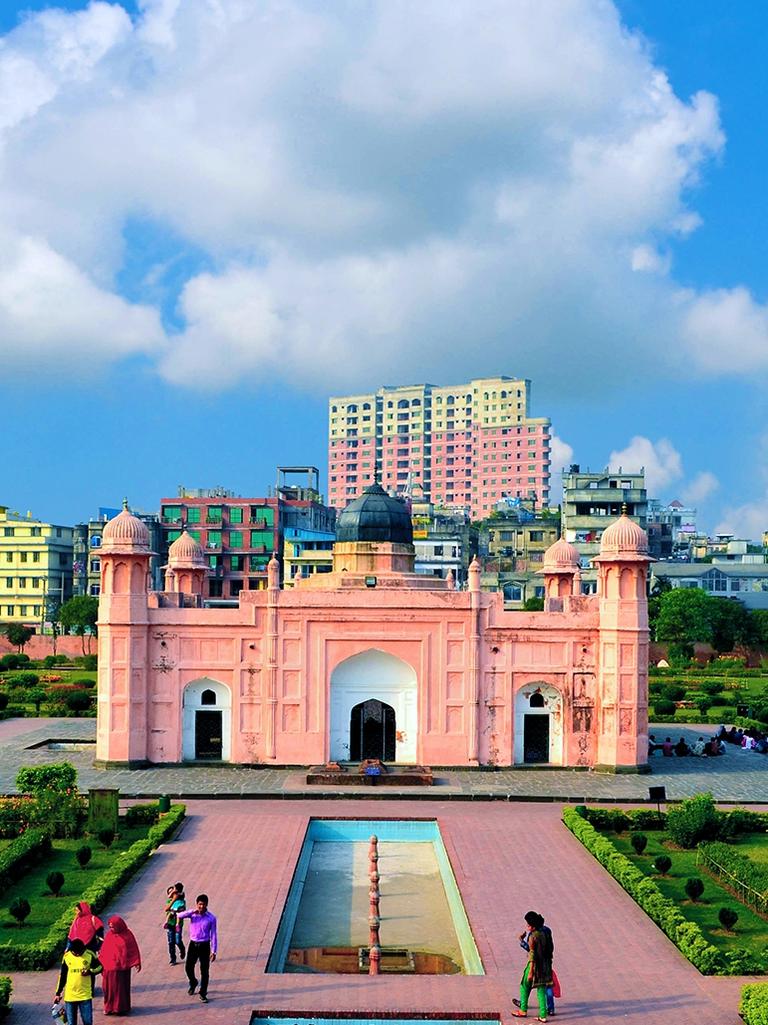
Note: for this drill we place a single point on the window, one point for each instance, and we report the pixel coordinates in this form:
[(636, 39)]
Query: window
[(173, 535), (9, 581), (235, 587), (214, 514), (214, 538), (261, 538), (215, 588), (62, 559), (208, 697), (193, 514), (36, 532), (9, 531), (95, 590), (236, 514), (35, 556), (171, 513), (236, 563), (95, 565), (9, 610), (195, 534), (96, 541), (235, 539), (9, 556)]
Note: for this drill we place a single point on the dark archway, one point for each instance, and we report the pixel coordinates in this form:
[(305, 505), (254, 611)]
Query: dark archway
[(372, 731)]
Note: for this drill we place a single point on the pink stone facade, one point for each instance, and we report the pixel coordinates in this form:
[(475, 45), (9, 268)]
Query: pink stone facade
[(279, 679)]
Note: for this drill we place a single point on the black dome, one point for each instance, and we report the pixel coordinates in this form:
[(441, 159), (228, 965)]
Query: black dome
[(375, 516)]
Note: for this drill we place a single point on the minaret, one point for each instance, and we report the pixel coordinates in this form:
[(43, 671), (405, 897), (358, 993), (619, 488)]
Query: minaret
[(121, 730), (623, 659)]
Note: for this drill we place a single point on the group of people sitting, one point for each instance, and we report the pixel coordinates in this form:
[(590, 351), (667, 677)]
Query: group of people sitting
[(749, 739)]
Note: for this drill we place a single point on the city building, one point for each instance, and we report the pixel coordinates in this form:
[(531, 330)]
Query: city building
[(239, 535), (466, 445), (35, 568), (591, 501), (372, 660), (445, 541), (746, 581), (671, 529), (86, 542), (513, 543)]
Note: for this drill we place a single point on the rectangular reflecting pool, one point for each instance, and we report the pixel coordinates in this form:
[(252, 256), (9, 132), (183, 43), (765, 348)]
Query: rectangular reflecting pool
[(265, 1019), (324, 926)]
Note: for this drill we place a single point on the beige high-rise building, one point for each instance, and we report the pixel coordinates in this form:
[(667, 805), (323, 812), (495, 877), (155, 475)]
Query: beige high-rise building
[(466, 445)]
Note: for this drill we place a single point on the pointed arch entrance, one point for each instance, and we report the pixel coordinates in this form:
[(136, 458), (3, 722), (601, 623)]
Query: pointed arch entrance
[(373, 706), (206, 721)]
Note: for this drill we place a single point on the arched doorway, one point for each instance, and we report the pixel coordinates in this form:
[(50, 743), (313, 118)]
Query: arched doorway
[(372, 731), (538, 725), (207, 722), (373, 676)]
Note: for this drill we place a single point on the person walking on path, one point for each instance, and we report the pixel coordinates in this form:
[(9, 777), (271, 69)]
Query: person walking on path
[(78, 967), (86, 927), (202, 945), (553, 990), (118, 955), (537, 973), (175, 903)]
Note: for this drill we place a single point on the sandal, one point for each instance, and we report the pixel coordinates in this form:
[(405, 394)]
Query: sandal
[(519, 1014)]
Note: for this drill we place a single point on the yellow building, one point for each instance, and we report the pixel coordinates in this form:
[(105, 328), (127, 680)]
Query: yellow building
[(306, 552), (35, 566)]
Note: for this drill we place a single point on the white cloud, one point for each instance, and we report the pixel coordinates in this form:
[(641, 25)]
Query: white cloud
[(561, 457), (371, 186), (748, 520), (700, 488), (661, 461), (727, 331)]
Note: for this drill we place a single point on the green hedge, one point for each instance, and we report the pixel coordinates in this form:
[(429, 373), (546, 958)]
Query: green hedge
[(753, 1006), (738, 869), (142, 814), (41, 955), (6, 987), (686, 936), (19, 856)]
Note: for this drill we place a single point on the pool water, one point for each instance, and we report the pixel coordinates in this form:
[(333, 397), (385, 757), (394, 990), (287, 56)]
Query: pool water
[(424, 928)]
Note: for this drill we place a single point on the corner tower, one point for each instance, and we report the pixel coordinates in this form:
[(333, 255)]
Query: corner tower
[(121, 731), (623, 659)]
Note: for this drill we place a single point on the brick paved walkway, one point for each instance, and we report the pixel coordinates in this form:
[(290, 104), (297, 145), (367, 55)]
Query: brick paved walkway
[(739, 776), (614, 963)]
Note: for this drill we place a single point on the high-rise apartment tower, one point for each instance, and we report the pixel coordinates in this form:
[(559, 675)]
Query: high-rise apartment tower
[(467, 445)]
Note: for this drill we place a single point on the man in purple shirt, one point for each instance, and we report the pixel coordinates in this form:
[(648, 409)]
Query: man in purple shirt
[(202, 945)]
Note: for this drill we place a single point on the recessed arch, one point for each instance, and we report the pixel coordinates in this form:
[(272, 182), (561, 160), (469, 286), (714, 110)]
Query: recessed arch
[(538, 724), (373, 674), (206, 721)]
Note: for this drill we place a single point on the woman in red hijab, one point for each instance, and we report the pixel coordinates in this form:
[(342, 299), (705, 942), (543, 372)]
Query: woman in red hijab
[(119, 953), (87, 927)]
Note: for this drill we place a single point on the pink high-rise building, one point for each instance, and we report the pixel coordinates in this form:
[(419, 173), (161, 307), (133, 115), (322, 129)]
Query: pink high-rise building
[(466, 445)]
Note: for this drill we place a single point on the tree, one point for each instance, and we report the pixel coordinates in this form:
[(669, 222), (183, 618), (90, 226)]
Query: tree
[(660, 587), (663, 864), (684, 618), (694, 888), (728, 918), (760, 626), (18, 634), (53, 615), (83, 855), (732, 624), (533, 605), (639, 842), (54, 881), (78, 615)]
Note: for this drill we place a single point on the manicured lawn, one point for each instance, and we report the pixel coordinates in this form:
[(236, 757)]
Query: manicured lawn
[(46, 908), (751, 931)]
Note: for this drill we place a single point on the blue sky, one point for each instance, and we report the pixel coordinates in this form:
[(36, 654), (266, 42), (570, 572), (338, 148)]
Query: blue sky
[(213, 218)]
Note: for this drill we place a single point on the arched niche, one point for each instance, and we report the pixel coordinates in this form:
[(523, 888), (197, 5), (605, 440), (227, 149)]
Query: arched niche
[(206, 721), (373, 675), (539, 721)]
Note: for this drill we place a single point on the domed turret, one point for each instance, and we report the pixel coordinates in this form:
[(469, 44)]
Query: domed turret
[(376, 517), (624, 539), (185, 552), (561, 557), (125, 533)]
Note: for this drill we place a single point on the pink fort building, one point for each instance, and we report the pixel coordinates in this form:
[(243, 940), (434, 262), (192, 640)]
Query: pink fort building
[(372, 660)]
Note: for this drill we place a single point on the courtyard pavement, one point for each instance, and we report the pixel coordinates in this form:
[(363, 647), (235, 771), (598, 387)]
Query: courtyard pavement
[(613, 962), (737, 777)]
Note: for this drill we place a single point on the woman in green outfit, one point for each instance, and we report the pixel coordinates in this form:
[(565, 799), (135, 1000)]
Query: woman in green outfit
[(538, 969)]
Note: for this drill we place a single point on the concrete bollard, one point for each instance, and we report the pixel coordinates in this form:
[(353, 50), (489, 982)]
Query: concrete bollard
[(374, 960)]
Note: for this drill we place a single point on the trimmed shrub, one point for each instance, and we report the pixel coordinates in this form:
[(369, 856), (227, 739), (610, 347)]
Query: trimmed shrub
[(710, 687), (664, 706), (727, 918), (663, 864), (78, 701), (83, 855), (694, 888), (3, 701), (55, 881), (674, 692), (695, 819), (6, 988), (687, 936), (25, 679), (20, 855), (142, 815), (639, 842), (648, 820), (106, 837), (753, 1006), (20, 909), (89, 662), (84, 682), (10, 661), (58, 776)]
